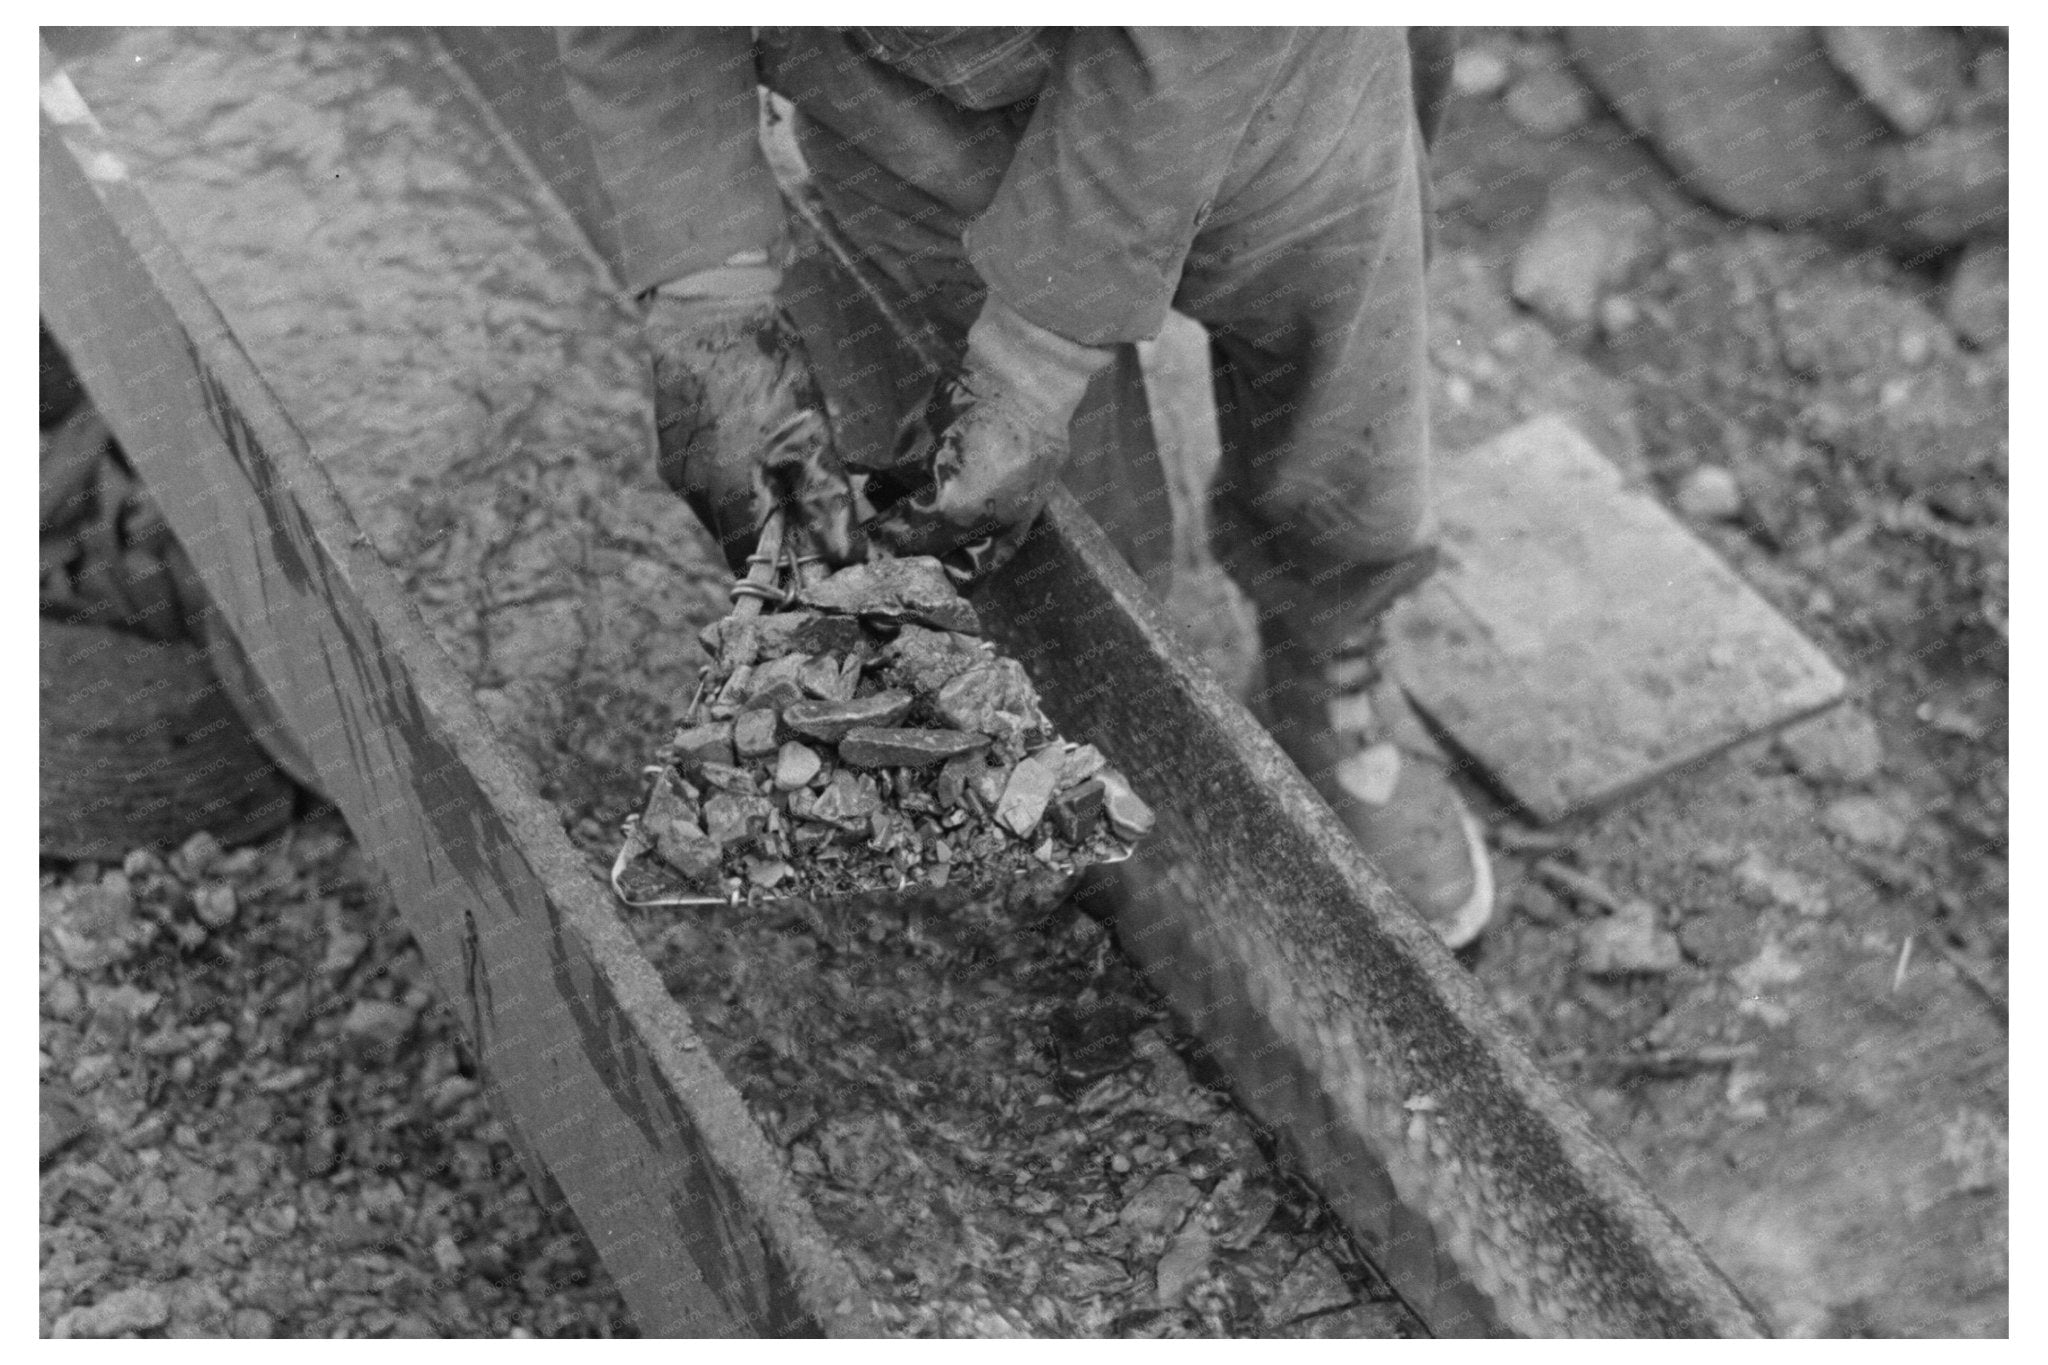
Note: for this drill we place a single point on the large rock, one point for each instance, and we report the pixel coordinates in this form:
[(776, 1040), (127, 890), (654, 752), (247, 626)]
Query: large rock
[(1750, 118), (1760, 122)]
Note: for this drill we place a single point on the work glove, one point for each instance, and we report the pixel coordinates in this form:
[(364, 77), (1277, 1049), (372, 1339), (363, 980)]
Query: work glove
[(740, 419), (994, 439)]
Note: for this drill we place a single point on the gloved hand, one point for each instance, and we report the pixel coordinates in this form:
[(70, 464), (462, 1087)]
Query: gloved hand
[(995, 438), (740, 419)]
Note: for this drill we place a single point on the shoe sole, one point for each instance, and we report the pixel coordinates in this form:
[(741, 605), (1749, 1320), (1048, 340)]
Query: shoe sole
[(1471, 918)]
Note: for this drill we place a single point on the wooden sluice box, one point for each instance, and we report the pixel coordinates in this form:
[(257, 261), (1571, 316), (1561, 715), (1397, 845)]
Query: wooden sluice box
[(377, 379)]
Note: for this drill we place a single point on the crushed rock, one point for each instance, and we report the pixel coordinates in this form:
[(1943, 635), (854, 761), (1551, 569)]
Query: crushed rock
[(234, 1165)]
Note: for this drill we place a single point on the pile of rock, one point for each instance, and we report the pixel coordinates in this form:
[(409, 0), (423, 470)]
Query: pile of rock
[(865, 738)]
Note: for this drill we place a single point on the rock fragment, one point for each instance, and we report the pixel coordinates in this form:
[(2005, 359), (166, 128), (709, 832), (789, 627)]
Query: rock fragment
[(1161, 1206), (829, 721), (954, 777), (1079, 763), (1184, 1264), (847, 800), (994, 698), (1128, 815), (869, 746), (1711, 494), (927, 660), (60, 1123), (1781, 887), (1866, 820), (767, 873), (753, 734), (1077, 810), (914, 589), (806, 632), (686, 848), (378, 1023), (730, 819), (1841, 745), (214, 903), (795, 765), (830, 679), (1025, 796), (777, 683), (1630, 942), (711, 742)]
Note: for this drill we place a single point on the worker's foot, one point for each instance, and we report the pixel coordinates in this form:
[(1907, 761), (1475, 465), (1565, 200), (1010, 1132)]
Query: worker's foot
[(1344, 720)]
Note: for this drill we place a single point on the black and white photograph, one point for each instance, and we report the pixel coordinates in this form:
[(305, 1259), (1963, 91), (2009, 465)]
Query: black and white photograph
[(1023, 682)]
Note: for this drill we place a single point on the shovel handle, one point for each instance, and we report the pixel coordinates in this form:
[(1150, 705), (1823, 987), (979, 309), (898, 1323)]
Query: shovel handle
[(762, 566)]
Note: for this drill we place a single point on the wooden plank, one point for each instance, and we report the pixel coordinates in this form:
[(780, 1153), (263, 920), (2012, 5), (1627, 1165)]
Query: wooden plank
[(1579, 642), (595, 1067)]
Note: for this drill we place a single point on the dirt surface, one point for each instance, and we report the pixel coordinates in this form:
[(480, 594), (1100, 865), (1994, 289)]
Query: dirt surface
[(1810, 1066), (257, 1121)]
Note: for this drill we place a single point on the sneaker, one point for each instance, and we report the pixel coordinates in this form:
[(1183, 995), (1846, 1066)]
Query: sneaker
[(1344, 720)]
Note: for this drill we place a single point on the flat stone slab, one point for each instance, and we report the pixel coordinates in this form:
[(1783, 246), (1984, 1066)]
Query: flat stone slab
[(1579, 642)]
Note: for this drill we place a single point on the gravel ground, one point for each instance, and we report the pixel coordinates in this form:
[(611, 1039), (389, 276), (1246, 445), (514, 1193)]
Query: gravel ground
[(1793, 1021), (256, 1121)]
